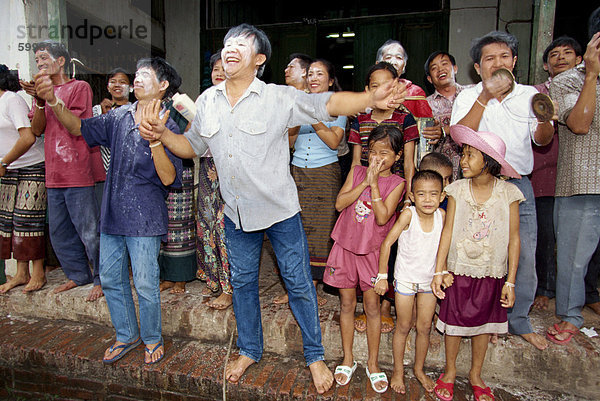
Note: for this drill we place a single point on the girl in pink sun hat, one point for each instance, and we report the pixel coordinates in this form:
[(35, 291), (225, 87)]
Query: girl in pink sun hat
[(478, 255)]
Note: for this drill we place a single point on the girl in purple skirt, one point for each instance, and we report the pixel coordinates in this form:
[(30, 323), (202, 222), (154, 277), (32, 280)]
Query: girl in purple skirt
[(478, 255)]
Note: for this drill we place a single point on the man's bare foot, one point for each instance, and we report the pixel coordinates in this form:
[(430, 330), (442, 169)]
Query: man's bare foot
[(541, 302), (65, 287), (95, 293), (17, 280), (321, 301), (221, 302), (494, 338), (536, 340), (321, 375), (236, 369), (178, 288), (165, 285), (281, 299), (397, 382), (35, 284), (207, 292), (595, 307), (425, 381)]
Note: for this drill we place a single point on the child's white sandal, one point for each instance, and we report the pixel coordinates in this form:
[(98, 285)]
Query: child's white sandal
[(345, 370), (376, 378)]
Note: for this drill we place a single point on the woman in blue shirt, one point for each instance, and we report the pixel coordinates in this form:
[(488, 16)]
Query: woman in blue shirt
[(316, 170)]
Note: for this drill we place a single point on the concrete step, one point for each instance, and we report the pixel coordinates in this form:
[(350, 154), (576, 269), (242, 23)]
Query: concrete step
[(187, 317), (43, 359)]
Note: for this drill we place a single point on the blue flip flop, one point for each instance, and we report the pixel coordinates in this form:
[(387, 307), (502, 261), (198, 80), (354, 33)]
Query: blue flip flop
[(152, 351), (125, 348)]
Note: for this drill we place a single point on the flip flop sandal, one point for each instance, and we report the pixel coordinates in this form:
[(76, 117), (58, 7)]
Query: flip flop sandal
[(376, 378), (360, 318), (439, 384), (125, 348), (479, 391), (151, 352), (552, 337), (389, 321), (345, 370)]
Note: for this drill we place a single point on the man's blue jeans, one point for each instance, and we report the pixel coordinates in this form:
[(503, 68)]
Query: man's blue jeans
[(114, 274), (577, 235), (526, 282), (73, 215), (291, 250)]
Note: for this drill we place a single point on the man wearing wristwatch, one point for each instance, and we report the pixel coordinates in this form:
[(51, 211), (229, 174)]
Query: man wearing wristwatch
[(72, 169)]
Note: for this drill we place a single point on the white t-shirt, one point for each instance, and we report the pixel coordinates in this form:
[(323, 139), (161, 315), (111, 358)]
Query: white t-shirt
[(13, 115), (417, 250), (512, 120)]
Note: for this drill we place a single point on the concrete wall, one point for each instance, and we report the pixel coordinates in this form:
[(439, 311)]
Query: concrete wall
[(182, 38)]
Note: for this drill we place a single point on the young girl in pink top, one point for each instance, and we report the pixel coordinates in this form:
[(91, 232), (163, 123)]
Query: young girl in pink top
[(367, 202)]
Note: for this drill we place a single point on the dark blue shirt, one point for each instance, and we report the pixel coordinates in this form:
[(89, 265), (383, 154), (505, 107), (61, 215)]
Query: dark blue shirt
[(134, 200)]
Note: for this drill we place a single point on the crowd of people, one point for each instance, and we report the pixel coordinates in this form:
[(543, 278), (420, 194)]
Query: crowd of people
[(465, 199)]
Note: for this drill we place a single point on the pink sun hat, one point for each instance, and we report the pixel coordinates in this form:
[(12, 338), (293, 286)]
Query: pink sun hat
[(486, 142)]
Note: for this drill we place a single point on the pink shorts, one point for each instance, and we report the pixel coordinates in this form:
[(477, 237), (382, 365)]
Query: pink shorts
[(346, 269)]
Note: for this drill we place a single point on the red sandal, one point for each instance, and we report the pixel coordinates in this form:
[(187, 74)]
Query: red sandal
[(449, 387), (479, 391)]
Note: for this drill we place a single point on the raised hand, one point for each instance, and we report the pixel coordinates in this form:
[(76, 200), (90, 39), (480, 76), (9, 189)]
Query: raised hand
[(28, 87), (151, 125), (389, 95), (433, 134), (592, 56), (44, 88), (373, 170), (106, 105), (496, 86)]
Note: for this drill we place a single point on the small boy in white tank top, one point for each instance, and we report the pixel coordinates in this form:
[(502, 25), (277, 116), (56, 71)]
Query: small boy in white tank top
[(417, 230)]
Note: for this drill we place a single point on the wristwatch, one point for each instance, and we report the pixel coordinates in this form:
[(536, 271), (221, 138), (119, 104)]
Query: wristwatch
[(5, 165)]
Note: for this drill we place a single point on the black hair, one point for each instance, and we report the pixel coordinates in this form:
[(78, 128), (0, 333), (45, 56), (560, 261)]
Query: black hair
[(594, 22), (427, 175), (393, 134), (562, 41), (116, 71), (433, 55), (164, 72), (491, 165), (304, 60), (382, 65), (262, 45), (335, 87), (214, 58), (56, 50), (493, 37), (434, 160), (8, 80)]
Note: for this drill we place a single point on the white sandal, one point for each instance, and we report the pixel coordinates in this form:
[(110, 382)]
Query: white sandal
[(345, 370), (376, 378)]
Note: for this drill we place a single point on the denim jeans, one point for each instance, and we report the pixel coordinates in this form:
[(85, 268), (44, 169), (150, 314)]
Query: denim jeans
[(73, 215), (526, 281), (545, 254), (577, 236), (291, 250), (114, 274)]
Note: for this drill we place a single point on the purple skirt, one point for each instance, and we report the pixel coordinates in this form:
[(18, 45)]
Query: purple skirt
[(472, 307)]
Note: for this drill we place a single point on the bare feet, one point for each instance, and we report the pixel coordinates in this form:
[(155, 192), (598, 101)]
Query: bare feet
[(397, 382), (178, 288), (95, 293), (494, 338), (360, 323), (595, 307), (165, 285), (13, 282), (221, 302), (65, 287), (35, 284), (387, 324), (425, 381), (281, 299), (235, 369), (207, 292), (536, 340), (541, 302), (321, 375), (321, 300)]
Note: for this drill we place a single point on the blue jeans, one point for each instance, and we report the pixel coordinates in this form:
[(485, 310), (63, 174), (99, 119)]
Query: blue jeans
[(114, 273), (577, 237), (73, 215), (291, 250), (526, 281), (545, 254)]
